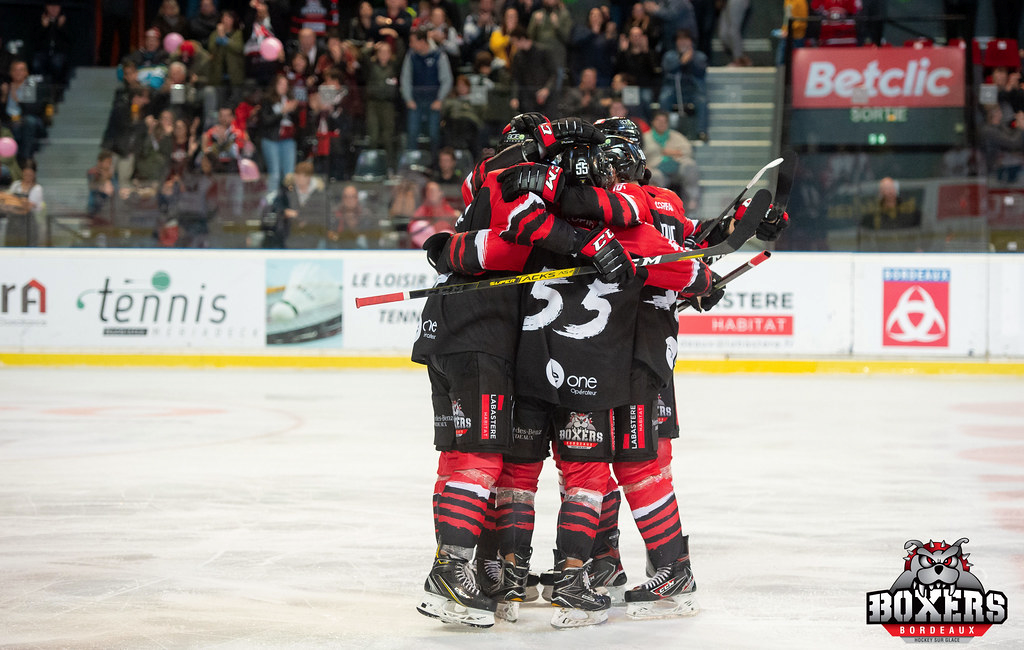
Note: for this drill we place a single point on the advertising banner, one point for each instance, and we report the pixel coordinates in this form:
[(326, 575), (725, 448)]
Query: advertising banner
[(796, 303), (391, 326), (913, 305), (1006, 306), (158, 300), (845, 77)]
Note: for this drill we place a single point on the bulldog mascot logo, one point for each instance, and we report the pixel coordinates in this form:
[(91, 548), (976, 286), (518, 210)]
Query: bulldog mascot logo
[(936, 597)]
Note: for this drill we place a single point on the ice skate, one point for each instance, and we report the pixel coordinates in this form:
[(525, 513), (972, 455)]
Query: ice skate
[(606, 572), (578, 603), (670, 592), (547, 578), (512, 588), (452, 595)]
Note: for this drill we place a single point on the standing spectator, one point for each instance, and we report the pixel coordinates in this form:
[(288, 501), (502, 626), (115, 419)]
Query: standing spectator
[(307, 46), (586, 100), (440, 30), (184, 147), (448, 177), (125, 127), (227, 59), (265, 21), (550, 28), (673, 15), (683, 82), (705, 13), (52, 44), (639, 17), (305, 206), (670, 159), (382, 94), (204, 22), (362, 27), (477, 29), (393, 23), (169, 19), (333, 127), (534, 76), (352, 221), (501, 39), (24, 231), (1002, 145), (317, 15), (277, 116), (115, 24), (426, 79), (151, 59), (153, 150), (638, 61), (460, 118), (102, 190), (22, 112), (891, 210), (730, 31), (224, 143), (593, 46), (838, 25), (492, 90), (198, 203)]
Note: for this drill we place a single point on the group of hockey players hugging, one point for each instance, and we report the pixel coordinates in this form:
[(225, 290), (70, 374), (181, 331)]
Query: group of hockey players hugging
[(559, 194)]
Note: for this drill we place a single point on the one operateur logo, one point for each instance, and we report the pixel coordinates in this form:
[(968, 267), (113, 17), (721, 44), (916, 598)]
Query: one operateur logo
[(937, 597)]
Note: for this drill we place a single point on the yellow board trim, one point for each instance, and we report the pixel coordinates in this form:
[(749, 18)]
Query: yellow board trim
[(685, 366)]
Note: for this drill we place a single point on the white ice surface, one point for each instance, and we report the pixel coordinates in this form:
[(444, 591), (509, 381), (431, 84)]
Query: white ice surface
[(272, 508)]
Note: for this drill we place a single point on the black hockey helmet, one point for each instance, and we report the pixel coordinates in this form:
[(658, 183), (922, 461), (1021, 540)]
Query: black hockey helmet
[(585, 164), (621, 126), (625, 157)]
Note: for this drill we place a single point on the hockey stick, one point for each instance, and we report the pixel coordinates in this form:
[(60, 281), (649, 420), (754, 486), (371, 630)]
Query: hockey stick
[(744, 230), (711, 225), (737, 272), (783, 187)]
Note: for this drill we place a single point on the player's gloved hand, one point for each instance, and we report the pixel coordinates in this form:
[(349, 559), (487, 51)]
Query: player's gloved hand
[(771, 225), (710, 298), (526, 122), (605, 252), (646, 180), (552, 138), (544, 180), (436, 255)]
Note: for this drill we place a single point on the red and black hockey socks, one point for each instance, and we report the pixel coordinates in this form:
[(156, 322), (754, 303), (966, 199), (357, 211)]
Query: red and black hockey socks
[(517, 489), (608, 525), (579, 516), (653, 503), (462, 504)]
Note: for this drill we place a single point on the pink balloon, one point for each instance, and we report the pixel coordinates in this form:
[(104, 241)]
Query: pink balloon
[(271, 48), (248, 170), (8, 147), (172, 42)]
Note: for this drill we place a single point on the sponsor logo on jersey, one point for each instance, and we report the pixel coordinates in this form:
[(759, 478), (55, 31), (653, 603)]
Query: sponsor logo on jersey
[(490, 406), (580, 432), (460, 421), (636, 437), (428, 329), (664, 205), (664, 410), (523, 433), (915, 307), (577, 384), (937, 598)]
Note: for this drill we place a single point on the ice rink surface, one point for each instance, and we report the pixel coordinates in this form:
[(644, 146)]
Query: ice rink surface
[(291, 509)]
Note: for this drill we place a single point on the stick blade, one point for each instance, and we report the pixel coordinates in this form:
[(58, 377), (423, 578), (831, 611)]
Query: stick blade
[(747, 226)]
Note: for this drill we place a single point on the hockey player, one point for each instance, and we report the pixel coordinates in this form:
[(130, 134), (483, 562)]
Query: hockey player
[(468, 346)]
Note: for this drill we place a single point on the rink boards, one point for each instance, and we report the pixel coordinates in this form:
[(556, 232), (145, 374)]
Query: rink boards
[(270, 308)]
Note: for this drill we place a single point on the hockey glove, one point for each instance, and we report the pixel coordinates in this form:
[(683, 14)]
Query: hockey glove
[(435, 246), (771, 225), (706, 301), (526, 122), (554, 137), (544, 180), (605, 252)]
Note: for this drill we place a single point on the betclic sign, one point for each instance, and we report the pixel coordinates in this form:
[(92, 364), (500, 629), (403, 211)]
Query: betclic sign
[(846, 77)]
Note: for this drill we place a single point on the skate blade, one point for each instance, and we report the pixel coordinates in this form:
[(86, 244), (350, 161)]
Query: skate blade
[(508, 610), (566, 618), (449, 611), (666, 608)]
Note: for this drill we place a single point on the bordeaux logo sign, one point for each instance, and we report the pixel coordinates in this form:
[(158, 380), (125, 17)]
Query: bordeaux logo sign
[(936, 598)]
